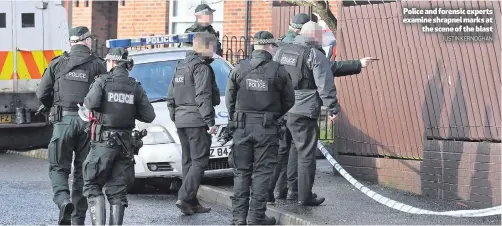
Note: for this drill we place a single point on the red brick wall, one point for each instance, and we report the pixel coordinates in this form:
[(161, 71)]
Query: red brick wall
[(142, 17), (81, 14), (462, 171), (235, 12)]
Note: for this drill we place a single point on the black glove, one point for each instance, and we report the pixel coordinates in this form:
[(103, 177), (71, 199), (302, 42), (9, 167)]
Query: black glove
[(42, 110), (281, 126), (228, 134)]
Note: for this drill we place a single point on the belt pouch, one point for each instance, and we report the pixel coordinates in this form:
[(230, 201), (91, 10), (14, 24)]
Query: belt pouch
[(55, 114)]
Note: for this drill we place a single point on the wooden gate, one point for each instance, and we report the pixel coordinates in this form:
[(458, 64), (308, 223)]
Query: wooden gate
[(282, 13)]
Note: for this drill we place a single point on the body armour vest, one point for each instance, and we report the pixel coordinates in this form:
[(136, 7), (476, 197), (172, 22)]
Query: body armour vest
[(118, 108), (294, 58), (184, 86), (258, 90), (70, 88)]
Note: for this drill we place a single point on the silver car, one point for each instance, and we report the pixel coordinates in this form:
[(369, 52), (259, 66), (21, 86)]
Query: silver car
[(160, 156)]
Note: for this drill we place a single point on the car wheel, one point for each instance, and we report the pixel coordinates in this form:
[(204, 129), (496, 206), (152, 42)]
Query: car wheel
[(175, 185), (135, 186)]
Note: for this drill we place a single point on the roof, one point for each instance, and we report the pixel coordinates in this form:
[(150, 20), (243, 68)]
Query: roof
[(160, 54)]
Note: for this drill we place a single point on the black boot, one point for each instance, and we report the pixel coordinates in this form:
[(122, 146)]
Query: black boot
[(116, 214), (265, 221), (184, 207), (239, 210), (312, 201), (238, 222), (97, 209), (280, 194), (78, 221), (292, 195), (65, 211)]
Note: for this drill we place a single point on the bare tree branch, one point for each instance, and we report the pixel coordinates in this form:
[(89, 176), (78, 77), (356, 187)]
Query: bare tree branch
[(322, 9), (215, 1)]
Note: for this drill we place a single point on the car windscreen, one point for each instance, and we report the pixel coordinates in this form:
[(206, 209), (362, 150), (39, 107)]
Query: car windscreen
[(155, 77)]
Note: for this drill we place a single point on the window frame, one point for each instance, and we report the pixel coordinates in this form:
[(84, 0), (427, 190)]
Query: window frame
[(23, 20)]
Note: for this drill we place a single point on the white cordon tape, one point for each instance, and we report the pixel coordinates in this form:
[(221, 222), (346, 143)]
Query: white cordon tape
[(401, 206)]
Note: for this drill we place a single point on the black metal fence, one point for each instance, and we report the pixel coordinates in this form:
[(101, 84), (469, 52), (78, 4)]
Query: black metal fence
[(236, 48)]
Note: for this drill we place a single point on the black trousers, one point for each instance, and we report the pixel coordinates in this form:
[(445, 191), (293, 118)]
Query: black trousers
[(304, 131), (253, 157), (279, 177), (195, 145)]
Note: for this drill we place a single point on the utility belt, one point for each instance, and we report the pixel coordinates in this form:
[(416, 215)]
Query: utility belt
[(56, 113), (130, 141), (109, 134), (266, 119), (103, 134)]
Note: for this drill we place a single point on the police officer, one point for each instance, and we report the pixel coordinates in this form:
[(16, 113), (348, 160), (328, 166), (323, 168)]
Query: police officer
[(64, 84), (313, 80), (191, 98), (294, 27), (204, 15), (116, 101), (286, 166), (259, 92)]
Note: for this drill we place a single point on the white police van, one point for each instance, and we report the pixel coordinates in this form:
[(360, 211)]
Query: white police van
[(160, 156)]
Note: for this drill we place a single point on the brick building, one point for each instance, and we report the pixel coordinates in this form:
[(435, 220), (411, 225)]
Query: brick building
[(133, 18)]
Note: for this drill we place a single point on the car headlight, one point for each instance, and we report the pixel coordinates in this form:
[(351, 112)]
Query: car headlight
[(156, 134)]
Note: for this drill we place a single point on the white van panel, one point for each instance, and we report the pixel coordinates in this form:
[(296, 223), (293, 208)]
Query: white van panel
[(6, 45), (6, 33), (29, 38), (56, 27), (50, 32)]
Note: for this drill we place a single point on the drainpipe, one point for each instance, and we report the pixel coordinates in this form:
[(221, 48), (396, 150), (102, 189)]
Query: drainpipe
[(246, 25)]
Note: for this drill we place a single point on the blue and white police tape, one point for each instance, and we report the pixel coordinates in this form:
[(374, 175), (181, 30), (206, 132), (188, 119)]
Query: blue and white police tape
[(497, 210)]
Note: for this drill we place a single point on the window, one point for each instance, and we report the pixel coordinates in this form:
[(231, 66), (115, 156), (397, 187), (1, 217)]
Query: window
[(3, 20), (155, 77), (173, 27), (27, 20), (175, 8)]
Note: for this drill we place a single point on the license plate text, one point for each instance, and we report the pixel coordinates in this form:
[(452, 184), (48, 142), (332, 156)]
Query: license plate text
[(219, 152), (5, 118)]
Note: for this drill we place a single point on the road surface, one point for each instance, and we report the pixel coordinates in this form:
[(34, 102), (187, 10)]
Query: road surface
[(26, 198)]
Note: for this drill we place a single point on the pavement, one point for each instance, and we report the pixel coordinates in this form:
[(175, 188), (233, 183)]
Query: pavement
[(348, 206), (26, 199), (344, 203)]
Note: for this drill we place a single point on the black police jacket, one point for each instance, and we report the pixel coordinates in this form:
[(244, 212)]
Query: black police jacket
[(120, 100), (259, 85), (66, 80), (193, 93)]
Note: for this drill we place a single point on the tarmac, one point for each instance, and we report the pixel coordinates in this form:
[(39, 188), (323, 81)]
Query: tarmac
[(344, 203)]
